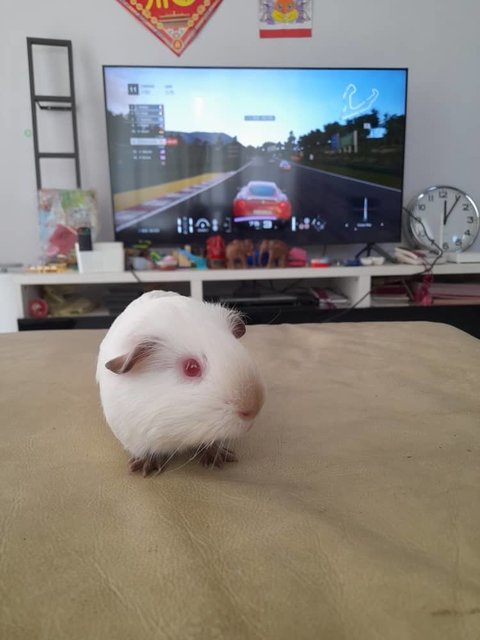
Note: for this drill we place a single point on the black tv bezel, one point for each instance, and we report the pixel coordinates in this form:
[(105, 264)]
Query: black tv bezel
[(131, 238)]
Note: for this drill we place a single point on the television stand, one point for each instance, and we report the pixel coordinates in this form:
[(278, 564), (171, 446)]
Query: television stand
[(289, 299), (372, 246)]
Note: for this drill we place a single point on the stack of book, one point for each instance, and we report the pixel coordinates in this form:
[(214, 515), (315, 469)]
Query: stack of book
[(390, 295), (446, 293)]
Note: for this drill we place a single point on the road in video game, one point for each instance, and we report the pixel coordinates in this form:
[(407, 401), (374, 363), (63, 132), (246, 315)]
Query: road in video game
[(234, 151)]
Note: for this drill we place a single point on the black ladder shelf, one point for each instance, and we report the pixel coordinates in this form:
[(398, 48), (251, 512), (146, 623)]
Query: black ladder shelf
[(53, 103)]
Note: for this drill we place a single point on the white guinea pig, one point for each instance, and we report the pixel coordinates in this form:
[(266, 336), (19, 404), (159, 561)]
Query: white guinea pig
[(173, 377)]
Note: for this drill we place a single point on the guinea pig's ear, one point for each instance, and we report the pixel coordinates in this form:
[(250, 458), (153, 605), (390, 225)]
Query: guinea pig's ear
[(141, 351), (238, 326)]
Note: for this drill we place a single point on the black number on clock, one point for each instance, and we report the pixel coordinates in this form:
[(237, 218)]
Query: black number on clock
[(470, 219), (465, 206), (422, 207), (467, 233), (443, 194), (431, 197), (445, 246), (458, 242)]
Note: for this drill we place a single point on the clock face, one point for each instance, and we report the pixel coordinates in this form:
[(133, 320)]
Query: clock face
[(445, 215)]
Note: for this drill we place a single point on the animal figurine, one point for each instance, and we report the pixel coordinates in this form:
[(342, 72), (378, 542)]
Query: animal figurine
[(174, 378), (215, 250), (277, 251), (238, 253)]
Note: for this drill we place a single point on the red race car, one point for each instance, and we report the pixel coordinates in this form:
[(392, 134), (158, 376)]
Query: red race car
[(260, 200)]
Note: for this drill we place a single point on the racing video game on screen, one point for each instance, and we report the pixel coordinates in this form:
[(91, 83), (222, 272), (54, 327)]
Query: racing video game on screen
[(242, 152)]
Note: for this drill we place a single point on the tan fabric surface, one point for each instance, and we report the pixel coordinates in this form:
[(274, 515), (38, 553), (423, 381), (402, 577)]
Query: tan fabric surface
[(352, 514)]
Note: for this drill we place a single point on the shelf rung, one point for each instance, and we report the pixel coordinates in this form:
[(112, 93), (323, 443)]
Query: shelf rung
[(40, 98), (66, 100), (49, 42), (54, 108), (56, 155)]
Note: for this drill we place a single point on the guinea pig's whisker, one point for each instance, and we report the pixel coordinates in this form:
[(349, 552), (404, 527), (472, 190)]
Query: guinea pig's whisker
[(175, 451), (219, 449), (195, 454), (192, 457), (198, 450), (227, 445)]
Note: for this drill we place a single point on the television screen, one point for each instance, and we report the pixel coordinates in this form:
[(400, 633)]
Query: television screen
[(310, 156)]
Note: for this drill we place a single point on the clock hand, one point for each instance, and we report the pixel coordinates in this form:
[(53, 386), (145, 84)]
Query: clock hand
[(444, 212), (445, 216)]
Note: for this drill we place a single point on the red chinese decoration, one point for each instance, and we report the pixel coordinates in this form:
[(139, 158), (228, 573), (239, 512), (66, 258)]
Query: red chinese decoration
[(175, 22)]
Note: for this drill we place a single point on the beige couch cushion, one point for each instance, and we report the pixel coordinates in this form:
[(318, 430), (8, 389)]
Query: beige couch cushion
[(353, 512)]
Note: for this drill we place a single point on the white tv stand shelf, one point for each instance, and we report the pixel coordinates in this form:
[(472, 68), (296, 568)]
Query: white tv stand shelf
[(16, 289)]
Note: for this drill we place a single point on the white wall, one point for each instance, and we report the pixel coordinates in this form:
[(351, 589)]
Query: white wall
[(437, 41)]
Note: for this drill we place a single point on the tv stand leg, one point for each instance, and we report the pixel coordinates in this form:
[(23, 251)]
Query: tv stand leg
[(196, 289)]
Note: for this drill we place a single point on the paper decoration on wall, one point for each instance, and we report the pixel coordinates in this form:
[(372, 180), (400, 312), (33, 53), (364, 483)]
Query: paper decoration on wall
[(175, 22), (285, 18)]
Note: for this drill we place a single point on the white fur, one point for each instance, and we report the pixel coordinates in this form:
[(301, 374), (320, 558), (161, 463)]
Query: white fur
[(154, 407)]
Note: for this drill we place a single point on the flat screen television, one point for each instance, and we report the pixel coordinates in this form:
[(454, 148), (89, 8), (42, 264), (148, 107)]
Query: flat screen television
[(312, 156)]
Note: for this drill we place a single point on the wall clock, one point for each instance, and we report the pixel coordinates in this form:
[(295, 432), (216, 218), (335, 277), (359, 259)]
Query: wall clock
[(443, 217)]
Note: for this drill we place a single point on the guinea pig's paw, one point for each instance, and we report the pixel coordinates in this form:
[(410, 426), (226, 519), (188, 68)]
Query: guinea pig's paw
[(216, 456), (153, 463)]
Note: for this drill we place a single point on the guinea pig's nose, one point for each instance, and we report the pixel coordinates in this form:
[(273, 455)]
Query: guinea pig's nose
[(250, 400), (249, 410), (249, 414)]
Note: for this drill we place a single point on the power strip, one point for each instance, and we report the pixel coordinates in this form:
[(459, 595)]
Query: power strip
[(463, 257)]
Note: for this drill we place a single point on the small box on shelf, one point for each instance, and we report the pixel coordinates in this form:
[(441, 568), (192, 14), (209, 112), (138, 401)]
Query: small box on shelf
[(105, 257)]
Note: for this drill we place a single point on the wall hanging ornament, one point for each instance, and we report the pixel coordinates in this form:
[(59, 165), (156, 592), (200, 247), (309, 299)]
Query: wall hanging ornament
[(285, 18), (175, 22)]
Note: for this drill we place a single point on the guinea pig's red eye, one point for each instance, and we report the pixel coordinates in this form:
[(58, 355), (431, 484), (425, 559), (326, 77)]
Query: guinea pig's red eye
[(192, 368)]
